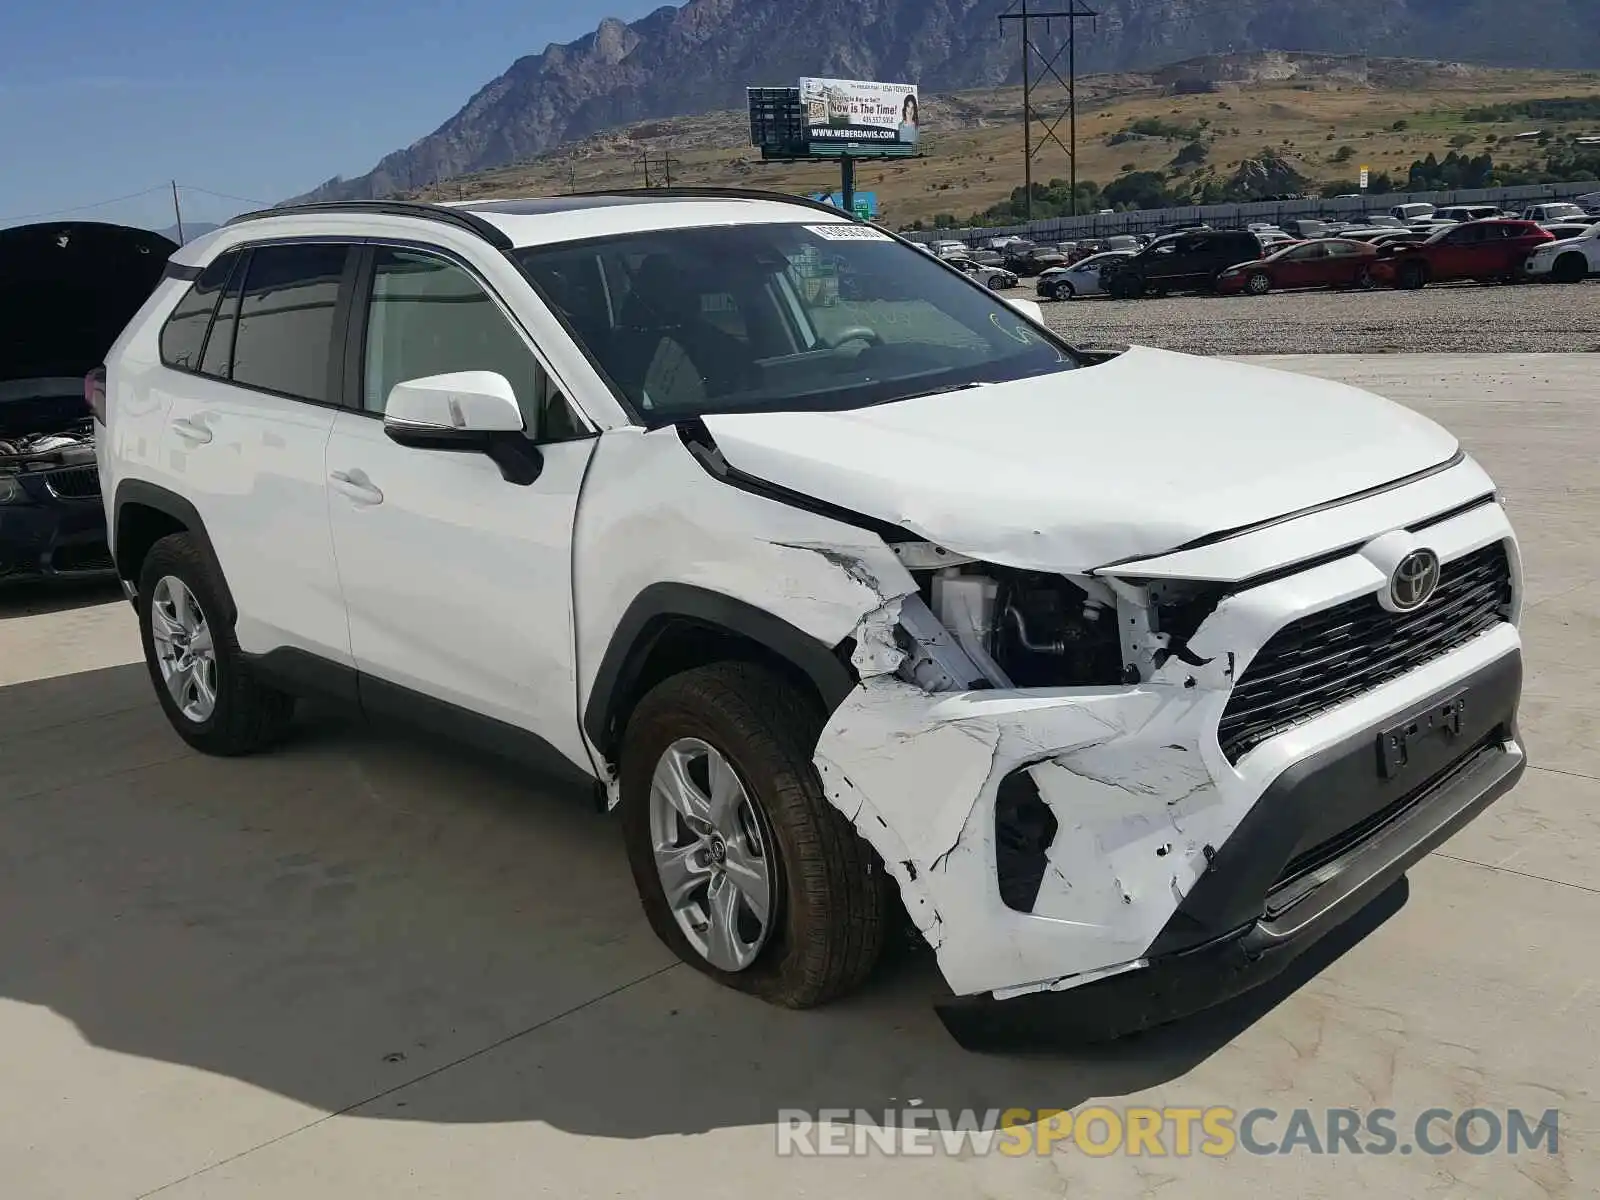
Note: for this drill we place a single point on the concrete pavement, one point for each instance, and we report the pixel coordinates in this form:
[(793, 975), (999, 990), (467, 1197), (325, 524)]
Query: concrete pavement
[(364, 966)]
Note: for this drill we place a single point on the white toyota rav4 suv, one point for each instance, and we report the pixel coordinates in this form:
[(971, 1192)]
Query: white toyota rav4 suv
[(852, 587)]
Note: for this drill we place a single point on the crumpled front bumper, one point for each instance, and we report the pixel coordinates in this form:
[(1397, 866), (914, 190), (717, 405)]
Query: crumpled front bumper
[(1260, 907), (1162, 848)]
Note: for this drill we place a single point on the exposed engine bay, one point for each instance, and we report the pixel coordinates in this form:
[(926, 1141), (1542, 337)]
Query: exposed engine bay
[(70, 447), (974, 625)]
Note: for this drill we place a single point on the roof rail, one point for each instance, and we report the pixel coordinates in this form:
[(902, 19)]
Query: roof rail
[(724, 193), (460, 218)]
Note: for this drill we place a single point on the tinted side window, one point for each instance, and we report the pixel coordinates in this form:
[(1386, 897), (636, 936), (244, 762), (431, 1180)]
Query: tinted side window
[(184, 334), (284, 339)]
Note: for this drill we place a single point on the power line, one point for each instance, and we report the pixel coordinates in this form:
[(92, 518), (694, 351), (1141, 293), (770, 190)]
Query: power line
[(60, 212), (189, 187), (160, 187)]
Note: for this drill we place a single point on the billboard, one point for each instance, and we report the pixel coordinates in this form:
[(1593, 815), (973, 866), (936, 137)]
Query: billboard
[(853, 116)]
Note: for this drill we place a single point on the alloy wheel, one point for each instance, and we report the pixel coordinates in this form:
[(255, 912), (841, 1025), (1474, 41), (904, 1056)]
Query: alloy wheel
[(712, 854), (185, 651)]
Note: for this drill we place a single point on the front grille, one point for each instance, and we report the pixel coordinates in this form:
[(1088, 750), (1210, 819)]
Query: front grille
[(1324, 659), (74, 483)]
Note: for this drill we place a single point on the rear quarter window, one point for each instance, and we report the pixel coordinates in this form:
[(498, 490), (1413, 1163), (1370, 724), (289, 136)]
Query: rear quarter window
[(183, 335)]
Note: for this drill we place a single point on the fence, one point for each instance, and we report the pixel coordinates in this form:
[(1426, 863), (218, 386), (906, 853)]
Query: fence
[(1151, 220)]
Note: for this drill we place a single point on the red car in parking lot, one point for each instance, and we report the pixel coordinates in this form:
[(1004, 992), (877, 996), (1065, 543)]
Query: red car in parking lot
[(1324, 262), (1484, 250)]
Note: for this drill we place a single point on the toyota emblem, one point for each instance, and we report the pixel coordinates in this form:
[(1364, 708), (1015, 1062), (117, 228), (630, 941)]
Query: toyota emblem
[(1414, 580)]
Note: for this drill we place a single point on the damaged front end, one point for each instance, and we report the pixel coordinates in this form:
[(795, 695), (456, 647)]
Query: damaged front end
[(1036, 759), (998, 707)]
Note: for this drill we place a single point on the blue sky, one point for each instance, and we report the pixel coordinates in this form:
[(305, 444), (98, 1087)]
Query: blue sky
[(103, 98)]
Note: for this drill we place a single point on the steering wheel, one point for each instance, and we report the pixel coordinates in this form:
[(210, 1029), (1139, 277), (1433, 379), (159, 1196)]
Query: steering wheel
[(856, 333)]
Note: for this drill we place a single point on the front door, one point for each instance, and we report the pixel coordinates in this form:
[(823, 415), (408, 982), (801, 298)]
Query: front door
[(458, 583)]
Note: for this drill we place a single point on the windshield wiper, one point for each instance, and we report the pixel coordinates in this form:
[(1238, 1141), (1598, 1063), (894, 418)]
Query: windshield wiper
[(954, 387)]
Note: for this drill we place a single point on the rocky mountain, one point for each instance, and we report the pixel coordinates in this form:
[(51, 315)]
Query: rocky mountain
[(701, 56)]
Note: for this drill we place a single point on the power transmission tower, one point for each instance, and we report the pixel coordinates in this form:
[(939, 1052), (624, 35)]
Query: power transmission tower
[(1072, 13), (662, 164)]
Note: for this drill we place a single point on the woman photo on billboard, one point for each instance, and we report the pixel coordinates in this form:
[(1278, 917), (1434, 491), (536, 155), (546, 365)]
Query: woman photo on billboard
[(908, 121)]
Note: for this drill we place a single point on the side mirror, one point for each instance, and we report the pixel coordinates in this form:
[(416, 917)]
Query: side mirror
[(474, 412), (1028, 308), (460, 402)]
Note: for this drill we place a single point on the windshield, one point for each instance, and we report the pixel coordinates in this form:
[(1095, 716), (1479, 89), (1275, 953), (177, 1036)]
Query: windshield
[(1557, 211), (743, 318)]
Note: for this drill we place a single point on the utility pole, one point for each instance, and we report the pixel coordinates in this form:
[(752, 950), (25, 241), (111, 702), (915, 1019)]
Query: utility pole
[(1074, 12), (177, 211)]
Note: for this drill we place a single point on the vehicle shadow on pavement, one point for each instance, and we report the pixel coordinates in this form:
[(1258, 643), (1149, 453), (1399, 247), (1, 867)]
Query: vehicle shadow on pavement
[(367, 923), (35, 599)]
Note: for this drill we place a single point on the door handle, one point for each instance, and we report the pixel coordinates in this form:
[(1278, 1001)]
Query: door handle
[(191, 431), (357, 486)]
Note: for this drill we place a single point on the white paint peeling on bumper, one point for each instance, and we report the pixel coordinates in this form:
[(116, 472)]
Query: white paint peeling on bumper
[(1134, 775)]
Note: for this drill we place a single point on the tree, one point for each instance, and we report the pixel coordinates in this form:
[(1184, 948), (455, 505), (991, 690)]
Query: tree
[(1140, 189), (1344, 154)]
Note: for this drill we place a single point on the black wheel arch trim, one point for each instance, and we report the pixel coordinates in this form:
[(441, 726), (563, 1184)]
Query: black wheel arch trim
[(149, 495), (653, 613)]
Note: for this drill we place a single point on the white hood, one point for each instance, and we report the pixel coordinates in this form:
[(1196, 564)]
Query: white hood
[(1068, 472)]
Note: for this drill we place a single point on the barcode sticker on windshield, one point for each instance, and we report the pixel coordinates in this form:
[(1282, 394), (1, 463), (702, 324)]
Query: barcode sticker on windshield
[(843, 232)]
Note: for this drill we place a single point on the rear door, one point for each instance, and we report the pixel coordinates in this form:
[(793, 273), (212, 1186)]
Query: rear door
[(1302, 266), (1459, 253), (1345, 264), (246, 436)]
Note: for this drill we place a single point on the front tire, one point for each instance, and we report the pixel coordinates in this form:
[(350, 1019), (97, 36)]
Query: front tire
[(744, 868), (202, 678), (1570, 268), (1259, 283)]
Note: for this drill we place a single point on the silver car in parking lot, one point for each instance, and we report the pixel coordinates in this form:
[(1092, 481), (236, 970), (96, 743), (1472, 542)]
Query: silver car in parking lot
[(1081, 278)]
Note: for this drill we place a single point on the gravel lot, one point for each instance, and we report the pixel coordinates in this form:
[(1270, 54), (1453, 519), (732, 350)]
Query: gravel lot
[(1455, 319)]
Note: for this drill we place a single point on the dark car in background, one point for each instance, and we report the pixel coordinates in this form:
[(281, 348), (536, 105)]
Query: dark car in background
[(1182, 262), (1027, 260), (66, 291)]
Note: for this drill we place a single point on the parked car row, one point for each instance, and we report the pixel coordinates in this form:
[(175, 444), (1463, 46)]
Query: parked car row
[(1252, 262)]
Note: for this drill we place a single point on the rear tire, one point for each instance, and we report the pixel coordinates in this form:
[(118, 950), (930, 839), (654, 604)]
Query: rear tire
[(228, 711), (830, 905), (1570, 268)]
